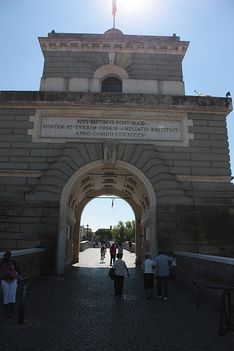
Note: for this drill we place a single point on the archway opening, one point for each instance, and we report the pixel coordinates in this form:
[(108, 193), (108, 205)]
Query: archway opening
[(99, 178), (112, 84), (110, 221), (106, 211)]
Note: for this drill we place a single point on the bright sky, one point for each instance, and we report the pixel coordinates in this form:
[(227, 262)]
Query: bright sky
[(208, 66)]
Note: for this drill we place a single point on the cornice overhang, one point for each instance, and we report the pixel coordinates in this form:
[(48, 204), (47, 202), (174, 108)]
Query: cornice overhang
[(39, 99), (114, 42)]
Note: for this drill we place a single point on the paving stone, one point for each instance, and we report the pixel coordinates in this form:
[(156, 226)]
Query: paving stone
[(77, 311)]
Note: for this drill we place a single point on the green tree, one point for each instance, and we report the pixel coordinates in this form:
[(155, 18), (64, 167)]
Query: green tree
[(124, 231), (103, 234), (130, 230), (118, 232)]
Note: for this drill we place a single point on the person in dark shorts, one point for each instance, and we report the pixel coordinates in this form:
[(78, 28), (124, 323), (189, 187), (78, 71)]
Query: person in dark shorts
[(162, 263), (148, 268), (119, 268)]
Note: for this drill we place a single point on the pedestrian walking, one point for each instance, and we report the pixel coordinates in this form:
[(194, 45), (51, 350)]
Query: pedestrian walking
[(162, 268), (9, 274), (103, 252), (119, 268), (112, 253), (148, 268), (130, 245), (120, 248)]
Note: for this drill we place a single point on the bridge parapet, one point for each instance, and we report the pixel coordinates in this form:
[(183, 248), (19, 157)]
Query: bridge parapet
[(206, 268), (28, 261)]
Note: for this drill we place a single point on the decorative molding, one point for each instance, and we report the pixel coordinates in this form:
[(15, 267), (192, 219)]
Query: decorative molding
[(131, 44), (204, 179), (19, 173), (110, 153), (111, 56), (206, 104)]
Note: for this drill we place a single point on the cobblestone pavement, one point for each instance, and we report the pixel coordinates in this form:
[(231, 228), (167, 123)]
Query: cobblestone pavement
[(77, 312)]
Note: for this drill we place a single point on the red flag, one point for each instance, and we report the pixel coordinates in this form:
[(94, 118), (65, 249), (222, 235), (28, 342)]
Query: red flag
[(114, 8)]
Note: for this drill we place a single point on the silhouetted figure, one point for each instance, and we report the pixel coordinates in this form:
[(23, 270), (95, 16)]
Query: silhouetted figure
[(130, 245), (103, 252), (148, 268), (162, 266), (119, 268), (112, 253), (120, 249)]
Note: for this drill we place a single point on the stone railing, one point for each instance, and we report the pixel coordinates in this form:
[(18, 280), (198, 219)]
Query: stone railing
[(84, 245), (212, 270), (28, 261), (125, 246)]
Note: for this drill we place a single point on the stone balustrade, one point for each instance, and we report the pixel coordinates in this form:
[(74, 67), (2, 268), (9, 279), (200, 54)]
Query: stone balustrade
[(85, 244), (28, 261), (212, 270)]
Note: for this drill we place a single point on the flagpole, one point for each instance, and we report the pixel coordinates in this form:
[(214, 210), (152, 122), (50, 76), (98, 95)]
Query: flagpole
[(114, 10)]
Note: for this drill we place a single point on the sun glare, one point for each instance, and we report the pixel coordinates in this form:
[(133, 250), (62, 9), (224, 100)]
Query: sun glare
[(134, 6)]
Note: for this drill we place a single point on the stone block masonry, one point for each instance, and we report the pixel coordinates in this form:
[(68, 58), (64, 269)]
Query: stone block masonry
[(191, 182)]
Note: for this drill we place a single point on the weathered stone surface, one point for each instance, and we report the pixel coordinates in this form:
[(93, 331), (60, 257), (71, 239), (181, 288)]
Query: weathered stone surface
[(177, 182), (199, 102)]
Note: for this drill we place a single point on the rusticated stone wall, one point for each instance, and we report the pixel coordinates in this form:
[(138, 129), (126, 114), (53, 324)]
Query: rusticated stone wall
[(195, 206)]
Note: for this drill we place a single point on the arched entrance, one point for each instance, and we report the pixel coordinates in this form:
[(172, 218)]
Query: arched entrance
[(98, 178)]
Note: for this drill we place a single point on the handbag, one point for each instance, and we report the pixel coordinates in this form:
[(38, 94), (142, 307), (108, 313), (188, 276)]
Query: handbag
[(111, 273)]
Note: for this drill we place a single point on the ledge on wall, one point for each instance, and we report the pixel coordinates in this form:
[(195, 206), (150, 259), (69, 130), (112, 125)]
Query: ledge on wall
[(219, 259), (28, 261), (207, 269)]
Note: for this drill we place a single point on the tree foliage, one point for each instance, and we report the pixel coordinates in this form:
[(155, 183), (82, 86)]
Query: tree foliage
[(103, 234), (124, 231)]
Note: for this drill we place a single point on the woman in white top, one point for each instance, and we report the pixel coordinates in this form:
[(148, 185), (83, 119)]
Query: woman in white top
[(119, 268), (148, 268)]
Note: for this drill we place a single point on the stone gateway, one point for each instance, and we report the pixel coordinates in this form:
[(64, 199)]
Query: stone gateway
[(112, 118)]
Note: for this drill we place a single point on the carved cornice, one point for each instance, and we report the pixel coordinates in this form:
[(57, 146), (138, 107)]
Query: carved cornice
[(33, 99), (110, 42)]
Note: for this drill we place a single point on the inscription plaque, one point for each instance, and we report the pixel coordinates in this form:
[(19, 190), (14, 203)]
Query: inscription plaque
[(113, 129)]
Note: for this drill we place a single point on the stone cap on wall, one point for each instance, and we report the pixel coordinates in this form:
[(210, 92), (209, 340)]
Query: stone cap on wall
[(218, 259), (33, 99), (15, 253)]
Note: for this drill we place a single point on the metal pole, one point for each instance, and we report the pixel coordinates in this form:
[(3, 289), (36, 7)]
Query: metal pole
[(24, 283)]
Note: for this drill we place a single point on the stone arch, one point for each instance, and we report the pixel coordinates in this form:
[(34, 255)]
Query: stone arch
[(110, 70), (67, 190)]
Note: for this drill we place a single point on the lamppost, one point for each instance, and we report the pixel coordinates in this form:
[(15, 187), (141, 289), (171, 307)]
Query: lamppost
[(87, 231)]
